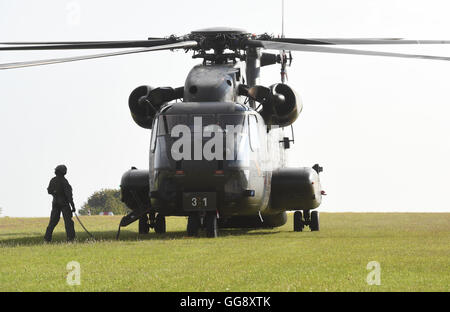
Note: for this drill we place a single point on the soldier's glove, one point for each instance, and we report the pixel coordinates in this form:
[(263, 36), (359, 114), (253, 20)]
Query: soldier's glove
[(73, 208)]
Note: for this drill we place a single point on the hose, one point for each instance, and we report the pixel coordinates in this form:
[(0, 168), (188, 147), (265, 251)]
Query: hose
[(79, 221)]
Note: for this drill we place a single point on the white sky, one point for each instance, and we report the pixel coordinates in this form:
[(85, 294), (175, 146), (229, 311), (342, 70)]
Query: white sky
[(379, 126)]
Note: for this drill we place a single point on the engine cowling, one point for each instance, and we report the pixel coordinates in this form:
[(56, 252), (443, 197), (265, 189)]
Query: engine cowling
[(281, 104), (135, 189), (295, 189), (142, 111), (286, 110), (145, 102)]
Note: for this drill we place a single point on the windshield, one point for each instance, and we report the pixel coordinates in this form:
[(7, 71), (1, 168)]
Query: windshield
[(179, 136), (153, 136), (237, 151)]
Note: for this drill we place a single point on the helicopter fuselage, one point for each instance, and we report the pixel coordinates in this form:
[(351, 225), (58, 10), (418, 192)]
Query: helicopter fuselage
[(231, 182), (215, 153)]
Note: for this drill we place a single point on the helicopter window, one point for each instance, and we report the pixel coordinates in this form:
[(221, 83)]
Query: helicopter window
[(253, 132), (174, 120), (236, 142), (242, 148), (232, 126), (212, 128), (153, 138), (170, 121), (197, 123), (163, 129), (230, 120)]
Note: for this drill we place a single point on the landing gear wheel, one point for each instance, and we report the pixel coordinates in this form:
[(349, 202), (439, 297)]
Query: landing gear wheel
[(314, 226), (211, 224), (160, 224), (144, 226), (193, 224), (298, 221)]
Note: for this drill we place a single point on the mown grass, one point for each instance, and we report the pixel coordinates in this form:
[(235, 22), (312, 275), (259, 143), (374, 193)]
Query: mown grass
[(413, 251)]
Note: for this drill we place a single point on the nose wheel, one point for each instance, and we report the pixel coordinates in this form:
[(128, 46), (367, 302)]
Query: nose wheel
[(308, 218), (211, 224), (160, 224), (199, 220), (193, 224)]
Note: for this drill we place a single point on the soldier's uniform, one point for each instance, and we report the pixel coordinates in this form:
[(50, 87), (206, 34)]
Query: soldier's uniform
[(61, 191)]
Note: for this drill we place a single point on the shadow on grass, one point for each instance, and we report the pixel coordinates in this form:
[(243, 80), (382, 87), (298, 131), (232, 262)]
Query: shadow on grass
[(125, 235)]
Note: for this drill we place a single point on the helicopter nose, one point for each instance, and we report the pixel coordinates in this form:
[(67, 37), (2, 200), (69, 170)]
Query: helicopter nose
[(202, 176)]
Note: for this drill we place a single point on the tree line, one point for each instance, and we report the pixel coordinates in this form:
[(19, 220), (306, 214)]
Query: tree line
[(105, 200)]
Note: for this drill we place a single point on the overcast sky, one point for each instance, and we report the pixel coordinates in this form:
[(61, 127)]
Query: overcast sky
[(378, 126)]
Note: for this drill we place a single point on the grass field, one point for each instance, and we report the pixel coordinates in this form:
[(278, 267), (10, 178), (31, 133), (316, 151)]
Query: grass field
[(413, 251)]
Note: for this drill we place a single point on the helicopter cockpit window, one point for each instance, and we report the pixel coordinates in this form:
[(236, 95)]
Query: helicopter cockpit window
[(230, 120), (253, 131), (175, 120), (233, 128), (163, 125), (236, 139), (197, 123), (153, 137)]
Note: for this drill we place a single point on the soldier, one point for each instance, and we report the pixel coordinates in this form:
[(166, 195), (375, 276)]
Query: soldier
[(61, 191)]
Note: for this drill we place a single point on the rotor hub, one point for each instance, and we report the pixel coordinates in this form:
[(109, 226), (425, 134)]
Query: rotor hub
[(219, 39)]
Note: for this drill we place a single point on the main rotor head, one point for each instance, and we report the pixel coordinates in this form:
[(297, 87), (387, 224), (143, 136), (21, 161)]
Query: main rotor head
[(219, 39)]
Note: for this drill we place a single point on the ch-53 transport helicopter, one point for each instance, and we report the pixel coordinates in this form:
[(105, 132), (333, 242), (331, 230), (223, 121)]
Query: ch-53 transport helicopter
[(218, 145)]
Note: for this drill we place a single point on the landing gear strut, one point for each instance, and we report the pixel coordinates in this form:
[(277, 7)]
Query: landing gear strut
[(308, 218), (207, 220), (193, 224), (144, 226), (152, 221), (211, 224), (160, 224)]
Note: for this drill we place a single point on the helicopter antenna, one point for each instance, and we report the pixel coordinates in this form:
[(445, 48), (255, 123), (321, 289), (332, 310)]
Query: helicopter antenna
[(284, 57), (282, 18)]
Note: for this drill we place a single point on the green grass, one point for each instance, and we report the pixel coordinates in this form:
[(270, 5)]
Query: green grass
[(413, 251)]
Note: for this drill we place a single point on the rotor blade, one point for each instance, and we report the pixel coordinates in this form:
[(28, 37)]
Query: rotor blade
[(308, 48), (180, 45), (352, 41), (75, 42), (84, 45)]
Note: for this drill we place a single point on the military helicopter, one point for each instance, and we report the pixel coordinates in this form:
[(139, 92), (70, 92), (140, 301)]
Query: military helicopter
[(218, 144)]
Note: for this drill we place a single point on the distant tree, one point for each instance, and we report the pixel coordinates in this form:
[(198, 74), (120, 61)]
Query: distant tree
[(1, 210), (105, 200)]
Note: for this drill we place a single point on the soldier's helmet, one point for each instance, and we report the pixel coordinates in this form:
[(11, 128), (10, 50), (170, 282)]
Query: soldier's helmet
[(61, 169)]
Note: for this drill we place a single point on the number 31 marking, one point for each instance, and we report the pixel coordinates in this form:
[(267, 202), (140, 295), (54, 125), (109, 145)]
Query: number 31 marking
[(194, 201)]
